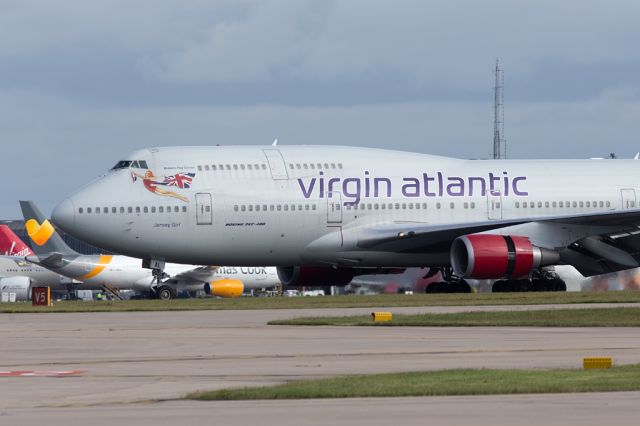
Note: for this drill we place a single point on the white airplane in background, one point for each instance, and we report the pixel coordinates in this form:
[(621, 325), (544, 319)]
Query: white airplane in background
[(19, 276), (323, 214), (122, 272)]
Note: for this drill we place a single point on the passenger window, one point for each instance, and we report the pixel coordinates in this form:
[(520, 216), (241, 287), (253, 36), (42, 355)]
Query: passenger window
[(207, 208), (153, 209), (539, 204), (452, 205), (271, 207), (214, 167), (244, 208), (264, 166), (312, 166), (137, 209), (305, 166), (88, 209), (97, 210), (200, 168), (279, 207), (383, 206), (206, 167), (121, 209), (300, 207), (249, 167), (235, 208), (184, 209), (80, 210), (250, 207), (473, 205), (326, 165), (145, 209), (375, 206), (291, 166), (130, 209), (497, 205), (532, 204), (438, 205), (221, 166), (313, 207), (298, 166), (339, 165), (575, 204), (306, 206), (368, 206), (228, 166), (106, 210), (410, 206), (517, 204), (293, 207), (242, 166), (286, 207), (235, 167), (546, 204), (466, 205), (554, 204), (319, 166), (397, 206), (601, 204), (581, 204), (264, 207), (161, 209), (176, 209), (257, 207), (333, 165), (608, 203)]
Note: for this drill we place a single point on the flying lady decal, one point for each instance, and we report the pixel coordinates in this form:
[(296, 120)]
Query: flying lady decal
[(157, 185)]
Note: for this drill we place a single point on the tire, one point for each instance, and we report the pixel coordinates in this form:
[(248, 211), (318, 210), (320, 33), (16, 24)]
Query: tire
[(463, 287), (165, 293), (499, 286)]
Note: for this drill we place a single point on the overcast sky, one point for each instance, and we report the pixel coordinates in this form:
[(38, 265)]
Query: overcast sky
[(84, 82)]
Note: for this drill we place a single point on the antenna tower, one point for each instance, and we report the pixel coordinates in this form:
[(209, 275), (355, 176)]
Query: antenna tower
[(499, 143)]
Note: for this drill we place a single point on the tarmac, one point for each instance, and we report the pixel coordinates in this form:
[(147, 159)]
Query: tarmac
[(134, 366)]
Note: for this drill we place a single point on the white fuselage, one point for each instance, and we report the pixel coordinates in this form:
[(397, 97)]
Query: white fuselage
[(304, 205)]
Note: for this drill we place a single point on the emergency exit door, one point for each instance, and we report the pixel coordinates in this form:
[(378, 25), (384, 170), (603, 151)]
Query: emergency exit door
[(204, 213)]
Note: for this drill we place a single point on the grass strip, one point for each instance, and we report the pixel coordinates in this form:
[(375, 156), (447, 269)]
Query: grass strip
[(343, 301), (446, 382), (597, 317)]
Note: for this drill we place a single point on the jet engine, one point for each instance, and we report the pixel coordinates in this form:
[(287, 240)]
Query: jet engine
[(225, 287), (312, 276), (487, 256), (21, 286)]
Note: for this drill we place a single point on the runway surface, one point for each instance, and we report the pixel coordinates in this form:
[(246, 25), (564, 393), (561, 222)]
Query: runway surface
[(140, 356)]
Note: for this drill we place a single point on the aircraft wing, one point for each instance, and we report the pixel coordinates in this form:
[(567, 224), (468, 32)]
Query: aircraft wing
[(198, 274), (594, 243)]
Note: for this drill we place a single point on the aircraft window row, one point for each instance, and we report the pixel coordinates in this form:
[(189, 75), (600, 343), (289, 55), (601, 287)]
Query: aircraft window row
[(566, 204), (216, 167), (403, 206), (137, 209), (125, 164), (314, 166), (274, 207)]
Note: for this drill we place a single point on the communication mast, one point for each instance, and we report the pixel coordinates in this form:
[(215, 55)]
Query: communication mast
[(499, 143)]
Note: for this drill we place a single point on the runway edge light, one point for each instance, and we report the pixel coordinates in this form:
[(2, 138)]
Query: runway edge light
[(382, 316), (597, 362)]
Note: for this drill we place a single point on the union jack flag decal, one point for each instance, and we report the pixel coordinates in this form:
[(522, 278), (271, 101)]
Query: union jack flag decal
[(181, 180)]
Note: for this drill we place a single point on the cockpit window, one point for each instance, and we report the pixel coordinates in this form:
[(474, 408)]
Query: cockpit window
[(125, 164)]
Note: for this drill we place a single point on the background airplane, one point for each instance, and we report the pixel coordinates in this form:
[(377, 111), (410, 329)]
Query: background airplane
[(121, 272), (19, 276)]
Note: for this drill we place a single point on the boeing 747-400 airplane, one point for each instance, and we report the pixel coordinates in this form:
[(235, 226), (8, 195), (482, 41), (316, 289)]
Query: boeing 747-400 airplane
[(323, 214)]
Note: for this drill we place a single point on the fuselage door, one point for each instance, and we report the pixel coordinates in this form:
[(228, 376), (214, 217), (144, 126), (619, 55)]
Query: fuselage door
[(276, 164), (494, 205), (628, 198), (204, 214), (334, 208)]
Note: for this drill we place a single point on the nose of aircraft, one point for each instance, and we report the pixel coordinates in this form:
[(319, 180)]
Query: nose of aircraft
[(64, 215)]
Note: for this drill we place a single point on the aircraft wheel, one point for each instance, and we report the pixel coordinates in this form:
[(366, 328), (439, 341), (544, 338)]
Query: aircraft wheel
[(165, 293), (499, 286), (559, 285), (463, 287)]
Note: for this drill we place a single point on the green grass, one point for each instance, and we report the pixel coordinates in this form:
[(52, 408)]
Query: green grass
[(599, 317), (346, 301), (446, 382)]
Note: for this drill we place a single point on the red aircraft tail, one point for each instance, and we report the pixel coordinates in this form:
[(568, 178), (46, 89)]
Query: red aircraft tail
[(11, 245)]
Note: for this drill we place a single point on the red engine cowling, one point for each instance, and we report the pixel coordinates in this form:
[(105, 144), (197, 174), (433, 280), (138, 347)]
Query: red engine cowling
[(486, 256), (310, 276)]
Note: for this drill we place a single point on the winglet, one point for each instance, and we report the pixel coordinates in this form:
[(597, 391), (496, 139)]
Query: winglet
[(637, 156), (275, 142)]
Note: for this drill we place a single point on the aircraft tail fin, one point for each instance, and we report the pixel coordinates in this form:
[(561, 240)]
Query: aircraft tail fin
[(44, 237), (11, 244)]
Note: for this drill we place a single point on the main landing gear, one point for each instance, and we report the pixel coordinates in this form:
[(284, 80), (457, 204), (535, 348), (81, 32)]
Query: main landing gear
[(450, 283), (541, 280), (158, 289)]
